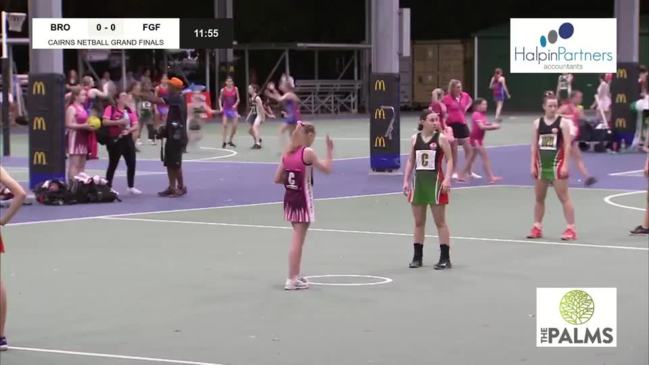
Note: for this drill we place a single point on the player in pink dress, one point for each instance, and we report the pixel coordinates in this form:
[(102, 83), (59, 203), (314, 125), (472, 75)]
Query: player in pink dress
[(572, 110), (228, 103), (295, 172), (17, 202), (499, 89), (480, 124), (78, 130)]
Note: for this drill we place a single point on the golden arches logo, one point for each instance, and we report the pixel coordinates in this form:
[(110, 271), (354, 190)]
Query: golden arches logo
[(39, 124), (620, 99), (379, 85), (379, 142), (379, 113), (38, 88), (621, 73), (620, 123), (40, 158)]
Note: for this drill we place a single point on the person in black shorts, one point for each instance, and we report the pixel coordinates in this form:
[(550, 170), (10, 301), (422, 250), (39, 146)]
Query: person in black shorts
[(175, 135)]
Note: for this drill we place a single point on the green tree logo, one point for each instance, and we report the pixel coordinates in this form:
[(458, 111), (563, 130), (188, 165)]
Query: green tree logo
[(577, 307)]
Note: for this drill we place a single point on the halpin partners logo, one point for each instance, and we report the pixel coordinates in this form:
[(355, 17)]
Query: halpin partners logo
[(563, 45), (585, 317), (566, 30)]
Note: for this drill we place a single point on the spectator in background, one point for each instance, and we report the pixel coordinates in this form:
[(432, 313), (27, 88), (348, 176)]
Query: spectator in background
[(122, 123), (107, 85), (73, 80)]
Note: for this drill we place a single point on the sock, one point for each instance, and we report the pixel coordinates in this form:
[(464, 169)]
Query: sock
[(571, 226), (444, 251), (419, 251), (538, 225)]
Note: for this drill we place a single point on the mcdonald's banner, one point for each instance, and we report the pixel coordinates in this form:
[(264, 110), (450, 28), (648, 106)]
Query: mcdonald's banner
[(385, 153), (624, 92), (46, 107)]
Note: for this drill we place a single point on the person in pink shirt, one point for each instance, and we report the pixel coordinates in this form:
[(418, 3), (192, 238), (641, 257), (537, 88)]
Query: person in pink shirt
[(295, 172), (480, 124), (457, 103), (122, 122)]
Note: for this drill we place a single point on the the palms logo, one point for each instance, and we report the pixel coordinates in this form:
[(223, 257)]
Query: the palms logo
[(566, 30), (577, 307)]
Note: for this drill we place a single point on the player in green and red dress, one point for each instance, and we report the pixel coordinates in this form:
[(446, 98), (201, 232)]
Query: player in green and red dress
[(17, 202), (431, 186), (549, 165)]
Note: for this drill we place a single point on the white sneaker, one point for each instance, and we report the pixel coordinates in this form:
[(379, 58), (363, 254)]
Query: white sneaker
[(475, 176), (134, 191), (454, 176), (296, 284), (151, 142), (138, 142)]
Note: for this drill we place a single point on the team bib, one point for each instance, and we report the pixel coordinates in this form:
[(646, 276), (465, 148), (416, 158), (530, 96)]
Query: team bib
[(548, 142), (425, 160)]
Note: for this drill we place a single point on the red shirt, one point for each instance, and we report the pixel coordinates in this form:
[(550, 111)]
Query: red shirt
[(113, 113), (456, 107)]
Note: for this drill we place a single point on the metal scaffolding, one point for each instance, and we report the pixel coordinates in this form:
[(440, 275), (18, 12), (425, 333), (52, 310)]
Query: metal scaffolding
[(318, 95)]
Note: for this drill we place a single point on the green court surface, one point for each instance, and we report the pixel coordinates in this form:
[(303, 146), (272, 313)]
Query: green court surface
[(205, 286)]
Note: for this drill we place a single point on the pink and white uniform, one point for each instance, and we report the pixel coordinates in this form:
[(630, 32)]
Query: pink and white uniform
[(78, 138), (298, 182), (477, 134)]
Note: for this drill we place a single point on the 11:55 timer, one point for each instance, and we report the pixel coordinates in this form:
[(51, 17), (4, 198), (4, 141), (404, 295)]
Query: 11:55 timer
[(206, 33)]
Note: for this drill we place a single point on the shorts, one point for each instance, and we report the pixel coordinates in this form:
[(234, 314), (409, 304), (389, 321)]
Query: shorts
[(172, 154), (230, 114), (460, 130)]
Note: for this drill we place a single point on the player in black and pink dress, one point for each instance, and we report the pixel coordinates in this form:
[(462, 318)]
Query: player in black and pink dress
[(295, 172), (17, 202)]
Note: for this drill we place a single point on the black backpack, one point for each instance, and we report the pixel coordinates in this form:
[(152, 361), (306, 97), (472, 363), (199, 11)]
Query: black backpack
[(53, 192)]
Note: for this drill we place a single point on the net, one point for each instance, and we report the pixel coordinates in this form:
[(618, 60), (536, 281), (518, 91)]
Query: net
[(16, 21)]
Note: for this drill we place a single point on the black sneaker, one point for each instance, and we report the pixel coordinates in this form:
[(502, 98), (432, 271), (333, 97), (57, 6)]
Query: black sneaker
[(590, 181), (415, 264), (640, 230), (231, 144), (179, 192), (256, 147), (224, 145), (443, 265), (167, 192)]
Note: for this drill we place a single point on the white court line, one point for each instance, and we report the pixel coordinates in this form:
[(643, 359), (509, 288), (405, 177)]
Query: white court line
[(205, 208), (376, 233), (609, 200), (627, 173), (111, 356), (269, 203), (570, 187)]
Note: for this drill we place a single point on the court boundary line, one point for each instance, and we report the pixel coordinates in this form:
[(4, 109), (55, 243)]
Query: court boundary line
[(273, 202), (626, 173), (378, 233), (609, 200), (111, 356)]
